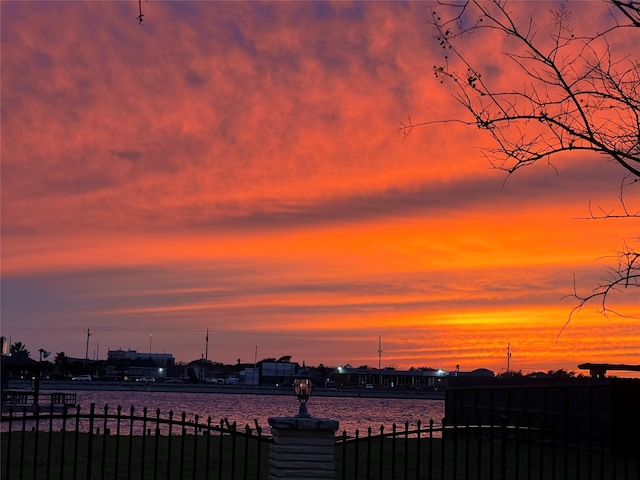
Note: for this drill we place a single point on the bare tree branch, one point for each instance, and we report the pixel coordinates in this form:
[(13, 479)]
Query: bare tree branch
[(573, 93), (625, 275), (626, 213)]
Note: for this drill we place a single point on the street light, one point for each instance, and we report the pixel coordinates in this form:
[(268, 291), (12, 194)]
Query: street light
[(303, 386), (45, 354)]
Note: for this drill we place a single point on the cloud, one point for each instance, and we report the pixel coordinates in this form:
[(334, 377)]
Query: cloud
[(130, 155), (239, 163)]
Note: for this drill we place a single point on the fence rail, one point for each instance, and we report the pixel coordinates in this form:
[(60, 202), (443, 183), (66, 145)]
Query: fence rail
[(127, 444), (27, 398), (482, 452)]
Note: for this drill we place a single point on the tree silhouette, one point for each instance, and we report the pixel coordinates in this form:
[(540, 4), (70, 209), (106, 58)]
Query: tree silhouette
[(63, 363), (567, 93), (191, 373), (18, 348)]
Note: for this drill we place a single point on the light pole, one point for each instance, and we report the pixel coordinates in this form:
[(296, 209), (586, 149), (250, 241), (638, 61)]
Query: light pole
[(150, 338), (43, 354)]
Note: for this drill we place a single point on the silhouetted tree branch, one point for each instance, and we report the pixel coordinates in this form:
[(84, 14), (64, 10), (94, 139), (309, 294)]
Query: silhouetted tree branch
[(625, 274), (140, 14), (566, 93), (600, 214)]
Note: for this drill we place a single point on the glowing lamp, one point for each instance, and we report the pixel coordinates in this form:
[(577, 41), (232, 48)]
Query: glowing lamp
[(303, 386)]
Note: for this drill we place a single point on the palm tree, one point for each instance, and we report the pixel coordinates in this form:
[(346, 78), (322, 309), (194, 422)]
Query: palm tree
[(19, 348), (62, 363)]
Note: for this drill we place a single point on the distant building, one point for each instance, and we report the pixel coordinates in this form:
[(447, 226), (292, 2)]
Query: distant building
[(277, 373), (250, 376), (418, 378), (158, 359), (133, 364)]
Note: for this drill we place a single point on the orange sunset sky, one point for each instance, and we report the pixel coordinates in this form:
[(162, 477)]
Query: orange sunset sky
[(237, 167)]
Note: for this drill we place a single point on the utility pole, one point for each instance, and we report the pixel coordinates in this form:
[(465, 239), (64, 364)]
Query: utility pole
[(206, 355), (508, 357), (206, 347), (380, 359), (86, 353)]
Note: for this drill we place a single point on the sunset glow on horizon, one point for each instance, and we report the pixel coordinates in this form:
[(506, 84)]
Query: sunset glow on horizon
[(236, 167)]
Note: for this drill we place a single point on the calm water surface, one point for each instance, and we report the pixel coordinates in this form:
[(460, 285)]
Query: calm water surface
[(352, 413)]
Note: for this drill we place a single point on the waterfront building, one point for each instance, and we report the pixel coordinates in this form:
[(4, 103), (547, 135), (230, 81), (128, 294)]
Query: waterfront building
[(157, 359), (414, 378), (134, 364)]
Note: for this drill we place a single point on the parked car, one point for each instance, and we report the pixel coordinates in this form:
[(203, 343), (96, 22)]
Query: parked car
[(82, 378), (173, 380), (146, 379)]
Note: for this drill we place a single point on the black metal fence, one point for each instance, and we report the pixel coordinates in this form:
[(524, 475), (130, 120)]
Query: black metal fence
[(125, 444), (117, 444), (482, 452)]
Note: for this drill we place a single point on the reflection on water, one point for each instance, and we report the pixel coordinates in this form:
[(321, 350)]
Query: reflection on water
[(352, 413)]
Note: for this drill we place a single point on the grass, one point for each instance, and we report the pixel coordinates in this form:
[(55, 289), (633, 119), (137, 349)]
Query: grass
[(471, 457), (64, 456), (41, 455)]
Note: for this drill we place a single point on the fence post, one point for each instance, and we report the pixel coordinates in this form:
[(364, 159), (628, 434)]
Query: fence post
[(302, 447)]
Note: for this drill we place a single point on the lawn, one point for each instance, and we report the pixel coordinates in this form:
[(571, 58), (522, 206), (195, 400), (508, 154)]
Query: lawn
[(41, 455)]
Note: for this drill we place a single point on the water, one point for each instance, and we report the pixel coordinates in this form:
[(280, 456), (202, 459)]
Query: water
[(352, 412)]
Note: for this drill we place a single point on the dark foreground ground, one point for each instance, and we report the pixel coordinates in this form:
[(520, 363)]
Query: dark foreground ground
[(81, 455)]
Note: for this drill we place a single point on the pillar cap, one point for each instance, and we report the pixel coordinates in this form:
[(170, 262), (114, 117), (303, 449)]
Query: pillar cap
[(303, 423)]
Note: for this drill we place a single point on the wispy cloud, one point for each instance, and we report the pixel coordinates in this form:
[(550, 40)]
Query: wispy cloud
[(238, 163)]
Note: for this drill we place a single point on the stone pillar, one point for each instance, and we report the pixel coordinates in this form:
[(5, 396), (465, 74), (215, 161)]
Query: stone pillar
[(303, 448)]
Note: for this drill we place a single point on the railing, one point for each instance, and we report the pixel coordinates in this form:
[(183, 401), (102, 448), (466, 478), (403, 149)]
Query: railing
[(21, 398), (125, 444), (482, 452)]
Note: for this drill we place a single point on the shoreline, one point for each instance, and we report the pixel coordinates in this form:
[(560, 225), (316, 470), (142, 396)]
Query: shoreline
[(61, 386)]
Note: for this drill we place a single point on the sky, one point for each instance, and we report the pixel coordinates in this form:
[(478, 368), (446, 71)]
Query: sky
[(236, 168)]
